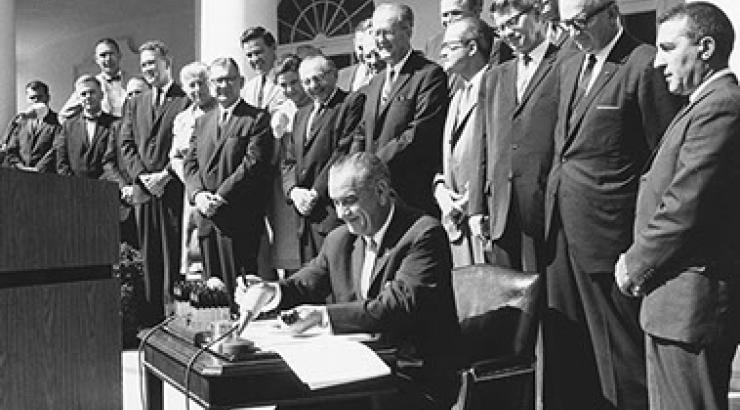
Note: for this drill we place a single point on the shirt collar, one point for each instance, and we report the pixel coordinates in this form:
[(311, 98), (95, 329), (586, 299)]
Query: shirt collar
[(166, 87), (92, 117), (110, 78), (398, 66), (317, 104), (378, 236), (229, 109), (475, 81), (721, 73), (538, 53)]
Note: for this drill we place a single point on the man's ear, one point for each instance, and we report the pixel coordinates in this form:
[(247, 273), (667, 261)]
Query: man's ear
[(707, 47), (472, 48)]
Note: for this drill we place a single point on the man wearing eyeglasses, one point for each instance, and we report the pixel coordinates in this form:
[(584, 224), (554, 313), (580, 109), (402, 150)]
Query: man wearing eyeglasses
[(613, 108), (227, 173), (517, 119), (465, 52)]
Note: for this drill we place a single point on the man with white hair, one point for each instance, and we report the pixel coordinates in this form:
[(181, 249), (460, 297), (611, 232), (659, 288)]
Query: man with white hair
[(405, 109), (318, 138)]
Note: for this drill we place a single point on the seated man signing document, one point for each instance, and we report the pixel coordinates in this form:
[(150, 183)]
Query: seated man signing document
[(386, 270)]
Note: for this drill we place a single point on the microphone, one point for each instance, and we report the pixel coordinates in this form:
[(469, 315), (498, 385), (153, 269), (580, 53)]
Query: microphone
[(258, 296)]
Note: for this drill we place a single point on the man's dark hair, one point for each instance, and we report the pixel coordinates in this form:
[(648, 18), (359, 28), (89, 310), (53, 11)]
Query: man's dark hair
[(503, 5), (157, 46), (705, 20), (109, 41), (286, 63), (37, 85), (478, 31), (366, 167), (253, 33)]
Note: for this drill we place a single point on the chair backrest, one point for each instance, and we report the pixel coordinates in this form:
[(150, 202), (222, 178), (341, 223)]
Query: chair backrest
[(498, 312)]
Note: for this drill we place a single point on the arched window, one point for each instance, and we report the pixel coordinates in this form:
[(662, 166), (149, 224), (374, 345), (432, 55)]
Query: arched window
[(325, 24)]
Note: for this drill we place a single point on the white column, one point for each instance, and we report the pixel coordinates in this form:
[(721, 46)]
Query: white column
[(7, 56), (221, 22)]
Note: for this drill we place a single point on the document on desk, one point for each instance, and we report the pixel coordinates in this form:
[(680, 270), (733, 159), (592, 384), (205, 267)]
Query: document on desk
[(318, 359)]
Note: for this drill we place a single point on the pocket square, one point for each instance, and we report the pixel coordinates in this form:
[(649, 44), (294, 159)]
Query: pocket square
[(607, 107)]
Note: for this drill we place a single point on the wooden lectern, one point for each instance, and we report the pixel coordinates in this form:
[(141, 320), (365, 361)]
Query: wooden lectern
[(60, 327)]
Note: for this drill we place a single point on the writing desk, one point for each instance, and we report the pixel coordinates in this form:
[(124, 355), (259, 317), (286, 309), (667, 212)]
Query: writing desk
[(260, 379)]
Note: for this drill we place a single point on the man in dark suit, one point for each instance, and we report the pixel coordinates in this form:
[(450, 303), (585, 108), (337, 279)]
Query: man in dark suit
[(386, 271), (146, 139), (28, 145), (684, 259), (518, 111), (405, 109), (319, 137), (227, 172), (82, 146), (613, 109)]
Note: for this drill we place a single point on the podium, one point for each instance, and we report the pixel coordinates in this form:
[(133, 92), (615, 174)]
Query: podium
[(60, 327)]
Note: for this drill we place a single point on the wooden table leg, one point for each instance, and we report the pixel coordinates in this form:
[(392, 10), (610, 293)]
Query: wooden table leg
[(154, 397)]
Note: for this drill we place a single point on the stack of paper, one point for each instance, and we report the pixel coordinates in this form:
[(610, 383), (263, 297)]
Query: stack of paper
[(327, 361)]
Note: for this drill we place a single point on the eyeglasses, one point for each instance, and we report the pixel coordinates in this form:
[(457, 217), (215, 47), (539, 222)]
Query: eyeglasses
[(228, 80), (511, 21), (579, 23), (454, 45)]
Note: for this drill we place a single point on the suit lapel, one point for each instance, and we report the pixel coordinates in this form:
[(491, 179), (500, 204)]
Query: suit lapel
[(211, 124), (373, 99), (299, 135), (395, 230), (403, 77), (544, 68)]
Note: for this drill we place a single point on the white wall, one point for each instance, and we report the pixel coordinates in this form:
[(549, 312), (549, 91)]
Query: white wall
[(57, 60)]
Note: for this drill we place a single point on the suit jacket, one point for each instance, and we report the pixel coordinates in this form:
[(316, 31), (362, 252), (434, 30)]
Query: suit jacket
[(686, 231), (76, 156), (233, 162), (347, 75), (146, 137), (32, 144), (406, 133), (600, 149), (308, 158), (518, 145), (272, 97), (410, 298)]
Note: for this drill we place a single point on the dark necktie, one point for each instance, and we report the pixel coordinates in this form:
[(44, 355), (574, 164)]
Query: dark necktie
[(522, 76), (261, 94), (585, 79)]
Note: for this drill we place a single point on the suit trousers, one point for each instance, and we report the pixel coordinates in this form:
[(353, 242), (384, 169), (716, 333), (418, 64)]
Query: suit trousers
[(687, 377), (594, 347), (517, 249), (227, 256), (158, 222)]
